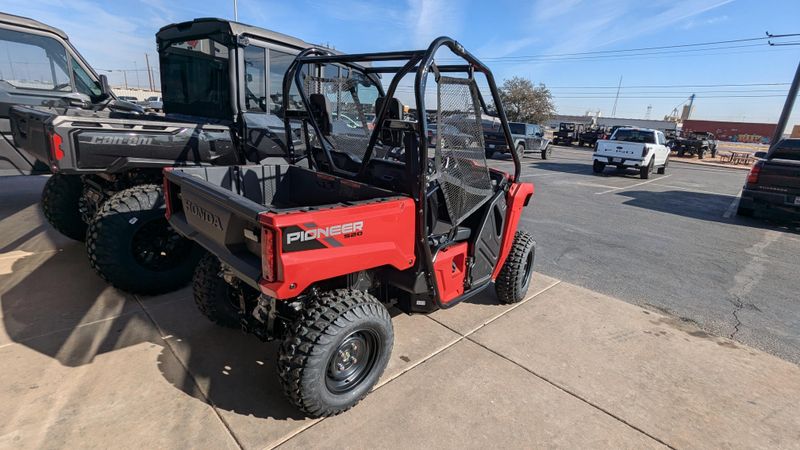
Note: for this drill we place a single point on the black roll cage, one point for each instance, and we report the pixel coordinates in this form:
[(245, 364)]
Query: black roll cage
[(421, 62)]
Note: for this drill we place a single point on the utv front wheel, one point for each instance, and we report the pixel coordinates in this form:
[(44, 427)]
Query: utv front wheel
[(214, 297), (512, 283), (60, 204), (335, 352), (132, 246)]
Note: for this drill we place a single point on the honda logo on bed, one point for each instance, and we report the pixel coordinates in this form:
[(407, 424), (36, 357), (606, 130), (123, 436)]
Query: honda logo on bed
[(204, 214), (309, 236)]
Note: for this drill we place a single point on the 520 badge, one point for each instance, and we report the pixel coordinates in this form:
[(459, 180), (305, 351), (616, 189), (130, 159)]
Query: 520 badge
[(309, 236)]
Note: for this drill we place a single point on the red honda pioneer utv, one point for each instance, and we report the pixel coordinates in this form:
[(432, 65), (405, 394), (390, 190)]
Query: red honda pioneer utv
[(311, 255)]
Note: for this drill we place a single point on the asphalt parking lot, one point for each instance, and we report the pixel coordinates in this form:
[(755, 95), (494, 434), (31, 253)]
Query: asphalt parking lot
[(672, 243)]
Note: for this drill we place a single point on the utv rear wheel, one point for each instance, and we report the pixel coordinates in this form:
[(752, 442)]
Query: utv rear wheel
[(132, 246), (515, 276), (598, 167), (60, 204), (335, 352), (215, 298)]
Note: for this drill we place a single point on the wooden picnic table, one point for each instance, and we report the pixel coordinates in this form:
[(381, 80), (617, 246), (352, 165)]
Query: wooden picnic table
[(740, 157)]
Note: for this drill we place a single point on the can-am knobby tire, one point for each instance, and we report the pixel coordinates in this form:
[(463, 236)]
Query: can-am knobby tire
[(60, 205), (307, 353), (131, 245)]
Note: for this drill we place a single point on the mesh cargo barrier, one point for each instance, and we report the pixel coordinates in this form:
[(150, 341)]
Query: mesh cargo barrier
[(460, 156), (349, 133)]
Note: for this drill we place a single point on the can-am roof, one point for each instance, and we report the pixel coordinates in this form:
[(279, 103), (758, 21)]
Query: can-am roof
[(225, 31), (30, 23)]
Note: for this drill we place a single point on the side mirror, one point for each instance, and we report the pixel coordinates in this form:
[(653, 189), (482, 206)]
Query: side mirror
[(760, 155), (104, 89)]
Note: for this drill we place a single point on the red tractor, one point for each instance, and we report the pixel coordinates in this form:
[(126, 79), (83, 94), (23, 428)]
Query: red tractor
[(313, 253)]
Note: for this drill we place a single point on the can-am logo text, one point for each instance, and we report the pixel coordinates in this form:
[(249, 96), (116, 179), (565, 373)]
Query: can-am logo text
[(121, 140), (204, 214), (346, 230)]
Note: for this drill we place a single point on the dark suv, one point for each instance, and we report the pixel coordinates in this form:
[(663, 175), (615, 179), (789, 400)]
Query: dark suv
[(773, 184)]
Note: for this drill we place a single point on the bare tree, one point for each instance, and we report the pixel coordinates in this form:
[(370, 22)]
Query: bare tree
[(525, 102)]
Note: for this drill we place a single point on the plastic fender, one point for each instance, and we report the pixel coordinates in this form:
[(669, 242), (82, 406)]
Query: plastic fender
[(518, 196)]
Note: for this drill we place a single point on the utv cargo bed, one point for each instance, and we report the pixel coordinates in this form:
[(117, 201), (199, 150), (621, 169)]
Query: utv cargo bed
[(75, 141), (279, 227)]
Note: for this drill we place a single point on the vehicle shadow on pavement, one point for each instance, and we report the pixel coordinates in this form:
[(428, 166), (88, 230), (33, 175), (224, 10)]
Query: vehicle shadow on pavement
[(55, 305), (700, 205), (583, 169)]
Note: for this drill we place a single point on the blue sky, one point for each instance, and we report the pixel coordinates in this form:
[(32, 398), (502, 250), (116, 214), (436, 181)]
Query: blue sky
[(116, 34)]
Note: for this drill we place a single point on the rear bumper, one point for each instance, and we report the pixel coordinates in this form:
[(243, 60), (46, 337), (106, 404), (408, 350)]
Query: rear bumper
[(772, 201), (617, 160)]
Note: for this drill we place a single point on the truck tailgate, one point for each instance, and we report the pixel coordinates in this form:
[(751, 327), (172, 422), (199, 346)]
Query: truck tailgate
[(780, 174), (619, 149)]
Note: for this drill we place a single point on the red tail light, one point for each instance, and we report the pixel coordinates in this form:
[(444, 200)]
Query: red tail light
[(752, 177), (167, 194), (267, 254), (56, 152)]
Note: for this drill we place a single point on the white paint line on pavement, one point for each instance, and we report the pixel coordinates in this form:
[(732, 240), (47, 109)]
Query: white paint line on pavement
[(733, 206), (684, 188), (632, 186), (540, 175)]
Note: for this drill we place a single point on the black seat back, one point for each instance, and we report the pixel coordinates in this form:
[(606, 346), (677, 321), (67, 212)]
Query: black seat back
[(321, 112)]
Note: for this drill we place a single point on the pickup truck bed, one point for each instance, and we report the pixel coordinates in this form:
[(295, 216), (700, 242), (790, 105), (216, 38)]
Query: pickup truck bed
[(77, 141), (283, 228)]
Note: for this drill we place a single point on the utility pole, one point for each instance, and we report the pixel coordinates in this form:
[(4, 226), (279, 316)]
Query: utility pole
[(235, 11), (787, 109), (614, 109), (125, 77), (149, 73), (136, 69), (647, 114)]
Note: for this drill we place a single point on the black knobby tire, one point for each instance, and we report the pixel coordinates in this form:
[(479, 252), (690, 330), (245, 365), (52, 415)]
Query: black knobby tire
[(714, 153), (515, 276), (598, 167), (645, 171), (521, 150), (489, 153), (215, 298), (681, 152), (309, 357), (663, 169), (546, 152), (60, 204), (131, 245), (701, 153)]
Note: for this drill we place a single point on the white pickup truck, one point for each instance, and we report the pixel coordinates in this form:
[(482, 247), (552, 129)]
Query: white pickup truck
[(642, 149)]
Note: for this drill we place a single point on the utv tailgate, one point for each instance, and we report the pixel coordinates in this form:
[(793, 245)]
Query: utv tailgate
[(312, 225), (91, 142)]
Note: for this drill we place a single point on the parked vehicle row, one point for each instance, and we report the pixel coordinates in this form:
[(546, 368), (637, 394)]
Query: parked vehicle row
[(213, 190)]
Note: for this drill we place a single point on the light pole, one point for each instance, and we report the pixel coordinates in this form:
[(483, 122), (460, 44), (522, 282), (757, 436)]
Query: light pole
[(235, 10)]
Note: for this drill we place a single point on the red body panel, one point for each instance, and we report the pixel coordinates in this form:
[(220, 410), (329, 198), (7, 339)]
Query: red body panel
[(385, 236), (517, 197), (450, 265)]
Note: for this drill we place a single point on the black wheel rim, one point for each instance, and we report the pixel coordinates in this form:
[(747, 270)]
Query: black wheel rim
[(352, 361), (156, 246)]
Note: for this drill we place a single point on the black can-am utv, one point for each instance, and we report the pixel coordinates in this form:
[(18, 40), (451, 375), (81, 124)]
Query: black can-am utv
[(567, 133), (221, 88), (311, 256)]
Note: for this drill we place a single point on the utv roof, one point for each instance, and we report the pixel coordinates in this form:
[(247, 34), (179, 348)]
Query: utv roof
[(30, 23), (224, 31)]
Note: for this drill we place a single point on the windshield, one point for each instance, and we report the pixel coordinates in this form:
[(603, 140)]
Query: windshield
[(195, 79), (30, 61), (517, 128), (641, 136)]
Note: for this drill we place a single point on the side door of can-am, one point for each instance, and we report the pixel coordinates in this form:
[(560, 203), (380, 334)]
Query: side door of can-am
[(260, 96), (36, 68)]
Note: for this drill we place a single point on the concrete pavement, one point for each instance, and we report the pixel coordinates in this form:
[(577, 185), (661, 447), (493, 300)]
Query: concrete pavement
[(84, 365)]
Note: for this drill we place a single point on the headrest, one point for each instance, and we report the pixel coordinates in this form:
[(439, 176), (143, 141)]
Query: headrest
[(321, 112)]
